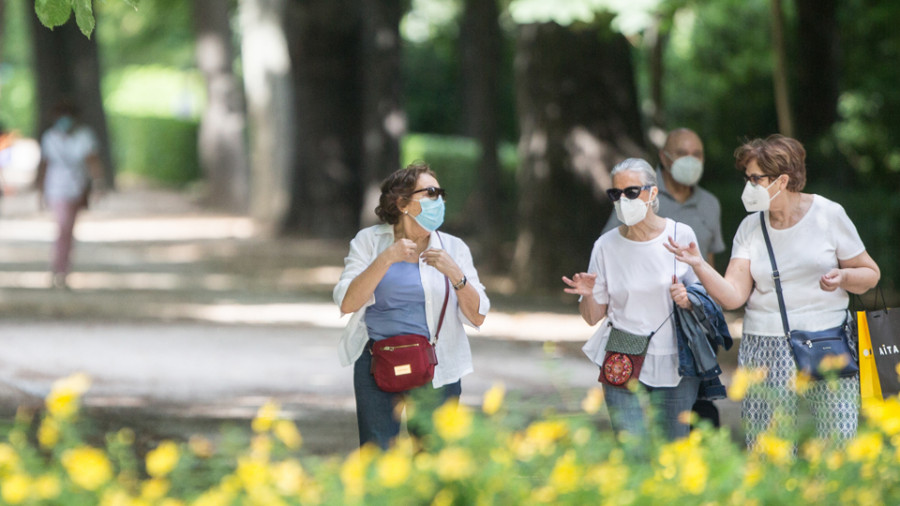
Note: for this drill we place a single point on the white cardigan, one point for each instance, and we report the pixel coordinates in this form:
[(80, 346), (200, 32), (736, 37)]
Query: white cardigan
[(454, 354)]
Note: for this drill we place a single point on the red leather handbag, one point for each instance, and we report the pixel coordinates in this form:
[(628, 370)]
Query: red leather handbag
[(407, 361)]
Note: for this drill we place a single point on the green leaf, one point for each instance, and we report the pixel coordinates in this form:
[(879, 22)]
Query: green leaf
[(53, 13), (84, 16)]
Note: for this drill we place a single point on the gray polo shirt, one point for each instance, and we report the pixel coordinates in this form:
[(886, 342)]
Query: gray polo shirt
[(701, 212)]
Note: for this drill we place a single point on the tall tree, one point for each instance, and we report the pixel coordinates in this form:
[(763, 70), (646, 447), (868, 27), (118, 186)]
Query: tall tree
[(780, 73), (383, 119), (818, 65), (324, 45), (222, 149), (270, 98), (480, 40), (67, 66), (579, 116)]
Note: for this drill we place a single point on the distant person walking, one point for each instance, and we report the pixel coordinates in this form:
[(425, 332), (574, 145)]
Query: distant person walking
[(69, 162)]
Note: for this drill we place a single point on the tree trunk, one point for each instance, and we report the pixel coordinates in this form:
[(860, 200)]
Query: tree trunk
[(818, 66), (779, 73), (270, 99), (223, 154), (579, 116), (383, 120), (324, 45), (67, 66), (657, 42), (481, 39)]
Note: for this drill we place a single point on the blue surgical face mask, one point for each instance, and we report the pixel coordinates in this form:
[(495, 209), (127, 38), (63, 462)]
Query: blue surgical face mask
[(432, 215), (64, 123)]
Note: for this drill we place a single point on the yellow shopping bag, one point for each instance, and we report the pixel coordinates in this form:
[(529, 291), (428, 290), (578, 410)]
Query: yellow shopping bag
[(869, 385)]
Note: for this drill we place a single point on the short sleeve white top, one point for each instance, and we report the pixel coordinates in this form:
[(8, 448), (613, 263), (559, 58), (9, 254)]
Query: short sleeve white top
[(804, 252), (633, 279), (65, 154)]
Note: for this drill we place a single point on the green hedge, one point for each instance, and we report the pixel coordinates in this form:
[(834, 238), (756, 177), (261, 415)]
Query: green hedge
[(160, 149)]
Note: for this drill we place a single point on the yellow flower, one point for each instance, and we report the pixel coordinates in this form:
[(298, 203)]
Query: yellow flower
[(154, 489), (15, 488), (64, 397), (288, 476), (694, 473), (48, 433), (543, 435), (743, 379), (443, 498), (162, 459), (886, 415), (355, 468), (493, 399), (394, 468), (266, 415), (612, 475), (833, 363), (87, 467), (753, 474), (47, 487), (287, 432), (453, 421), (455, 464), (261, 447), (776, 449), (812, 451), (865, 446), (252, 473), (803, 382), (9, 458), (565, 474), (592, 401)]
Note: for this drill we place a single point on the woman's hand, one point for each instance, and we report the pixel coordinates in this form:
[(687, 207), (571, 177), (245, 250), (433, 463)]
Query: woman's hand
[(689, 254), (403, 250), (581, 284), (443, 262), (679, 294)]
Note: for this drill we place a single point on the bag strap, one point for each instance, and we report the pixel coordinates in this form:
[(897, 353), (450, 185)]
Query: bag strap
[(446, 298), (775, 276)]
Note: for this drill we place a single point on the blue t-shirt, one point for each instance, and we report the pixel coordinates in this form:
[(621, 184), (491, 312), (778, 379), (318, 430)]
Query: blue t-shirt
[(399, 304)]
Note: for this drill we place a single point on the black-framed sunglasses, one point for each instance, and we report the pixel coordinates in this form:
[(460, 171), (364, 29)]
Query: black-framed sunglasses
[(755, 178), (631, 192), (433, 192)]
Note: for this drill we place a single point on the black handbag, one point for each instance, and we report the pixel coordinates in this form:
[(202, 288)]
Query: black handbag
[(810, 348)]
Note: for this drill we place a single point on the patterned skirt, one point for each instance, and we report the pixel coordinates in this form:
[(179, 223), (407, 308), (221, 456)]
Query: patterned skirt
[(775, 403)]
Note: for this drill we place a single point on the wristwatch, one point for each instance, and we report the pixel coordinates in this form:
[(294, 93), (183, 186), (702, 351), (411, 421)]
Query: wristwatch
[(462, 283)]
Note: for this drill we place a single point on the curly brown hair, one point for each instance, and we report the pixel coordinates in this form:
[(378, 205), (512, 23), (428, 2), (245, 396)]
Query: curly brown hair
[(399, 185), (775, 155)]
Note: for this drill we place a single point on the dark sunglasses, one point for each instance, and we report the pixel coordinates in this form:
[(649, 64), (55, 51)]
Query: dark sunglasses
[(433, 192), (754, 178), (631, 193)]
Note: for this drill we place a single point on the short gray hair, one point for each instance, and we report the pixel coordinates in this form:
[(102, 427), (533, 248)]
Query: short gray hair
[(644, 170)]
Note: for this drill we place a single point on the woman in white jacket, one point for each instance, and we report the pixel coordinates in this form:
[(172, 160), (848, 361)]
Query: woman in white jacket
[(393, 283)]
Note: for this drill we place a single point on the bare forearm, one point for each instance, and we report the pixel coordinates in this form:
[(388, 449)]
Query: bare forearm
[(859, 280), (591, 311), (719, 288), (470, 303)]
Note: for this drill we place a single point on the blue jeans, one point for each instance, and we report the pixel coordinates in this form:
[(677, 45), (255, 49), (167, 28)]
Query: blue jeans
[(377, 412), (627, 414)]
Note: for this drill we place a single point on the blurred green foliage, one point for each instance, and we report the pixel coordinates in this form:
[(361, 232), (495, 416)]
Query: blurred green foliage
[(17, 86), (160, 149), (455, 161)]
